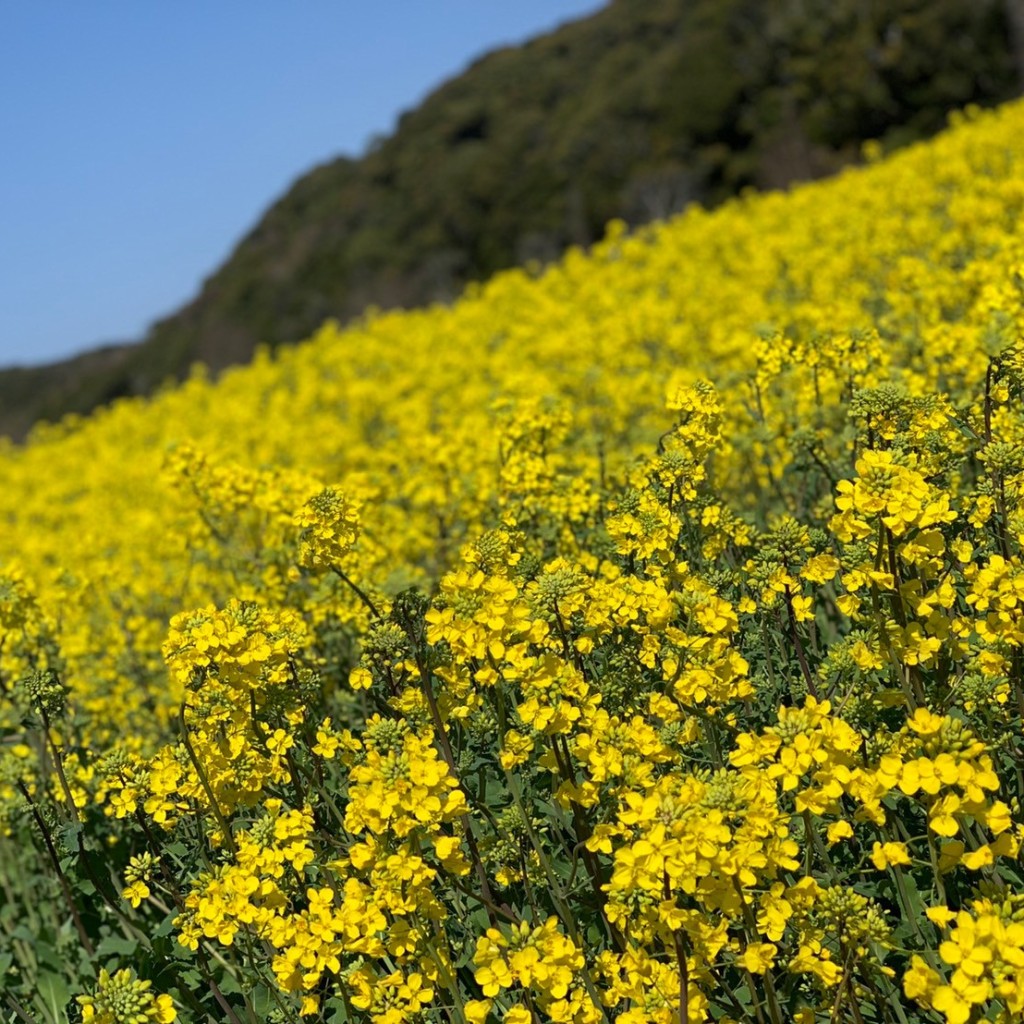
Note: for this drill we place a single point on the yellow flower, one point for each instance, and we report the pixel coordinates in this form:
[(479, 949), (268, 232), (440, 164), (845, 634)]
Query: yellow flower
[(135, 893), (759, 957), (942, 818), (837, 831), (884, 855), (940, 915), (975, 860), (280, 742), (803, 608), (516, 749), (360, 678), (821, 568), (449, 852), (951, 1004), (478, 1010)]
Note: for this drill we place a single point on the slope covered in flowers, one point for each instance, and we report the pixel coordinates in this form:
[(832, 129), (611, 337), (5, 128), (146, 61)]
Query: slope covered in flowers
[(640, 640)]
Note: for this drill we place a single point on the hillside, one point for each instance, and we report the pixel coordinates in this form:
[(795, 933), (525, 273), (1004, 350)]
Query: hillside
[(639, 640), (631, 113)]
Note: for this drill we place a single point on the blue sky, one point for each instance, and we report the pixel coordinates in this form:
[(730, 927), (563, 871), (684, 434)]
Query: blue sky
[(142, 138)]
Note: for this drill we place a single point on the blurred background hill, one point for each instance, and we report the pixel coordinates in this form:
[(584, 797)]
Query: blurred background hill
[(631, 113)]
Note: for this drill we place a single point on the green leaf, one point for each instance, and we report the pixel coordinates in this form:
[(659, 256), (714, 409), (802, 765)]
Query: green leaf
[(262, 1000), (335, 1011), (53, 992), (84, 886), (118, 945), (165, 927), (70, 835), (229, 985), (47, 955), (193, 979)]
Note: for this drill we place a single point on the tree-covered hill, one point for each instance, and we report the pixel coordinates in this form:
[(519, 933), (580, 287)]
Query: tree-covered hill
[(631, 113)]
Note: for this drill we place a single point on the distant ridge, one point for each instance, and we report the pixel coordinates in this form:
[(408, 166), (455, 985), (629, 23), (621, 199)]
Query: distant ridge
[(632, 112)]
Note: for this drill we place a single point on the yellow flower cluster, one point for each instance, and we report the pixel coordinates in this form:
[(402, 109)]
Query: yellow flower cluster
[(984, 957), (543, 964), (330, 526), (397, 789), (243, 647)]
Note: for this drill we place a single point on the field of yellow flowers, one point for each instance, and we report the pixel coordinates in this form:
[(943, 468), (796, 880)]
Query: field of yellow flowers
[(638, 640)]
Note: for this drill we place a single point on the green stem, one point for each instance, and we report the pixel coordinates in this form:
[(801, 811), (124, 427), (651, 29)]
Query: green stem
[(58, 762), (55, 861)]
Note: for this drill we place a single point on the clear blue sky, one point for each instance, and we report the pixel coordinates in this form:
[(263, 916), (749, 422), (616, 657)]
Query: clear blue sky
[(142, 138)]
